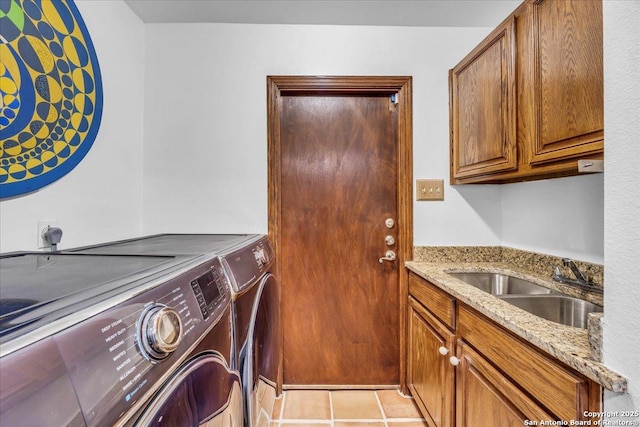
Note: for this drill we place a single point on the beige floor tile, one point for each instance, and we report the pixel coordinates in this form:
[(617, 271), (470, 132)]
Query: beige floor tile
[(408, 424), (277, 407), (355, 404), (306, 404), (395, 405), (302, 424), (266, 396), (263, 420), (358, 424)]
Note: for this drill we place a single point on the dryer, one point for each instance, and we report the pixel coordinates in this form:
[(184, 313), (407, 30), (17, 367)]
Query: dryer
[(256, 304)]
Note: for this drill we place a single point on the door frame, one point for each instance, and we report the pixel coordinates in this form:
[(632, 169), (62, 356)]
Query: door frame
[(277, 86)]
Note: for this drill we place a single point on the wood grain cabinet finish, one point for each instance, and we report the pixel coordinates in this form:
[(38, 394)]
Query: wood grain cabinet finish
[(440, 304), (564, 392), (486, 398), (568, 76), (555, 110), (430, 375), (500, 379), (483, 134)]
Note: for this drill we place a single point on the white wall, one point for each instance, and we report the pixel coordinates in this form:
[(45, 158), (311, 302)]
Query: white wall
[(562, 217), (622, 197), (204, 94), (205, 119), (205, 127), (101, 199)]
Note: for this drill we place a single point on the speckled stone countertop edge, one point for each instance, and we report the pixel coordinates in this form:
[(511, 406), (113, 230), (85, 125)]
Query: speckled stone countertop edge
[(567, 344)]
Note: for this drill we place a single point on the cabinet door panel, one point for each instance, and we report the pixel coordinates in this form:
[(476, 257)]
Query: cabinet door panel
[(486, 398), (570, 84), (431, 377), (483, 107), (437, 301), (558, 388)]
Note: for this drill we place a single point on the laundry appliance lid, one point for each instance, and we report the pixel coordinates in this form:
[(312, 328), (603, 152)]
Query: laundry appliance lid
[(37, 287), (171, 244)]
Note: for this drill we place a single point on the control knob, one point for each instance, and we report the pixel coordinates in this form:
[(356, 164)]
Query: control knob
[(159, 332)]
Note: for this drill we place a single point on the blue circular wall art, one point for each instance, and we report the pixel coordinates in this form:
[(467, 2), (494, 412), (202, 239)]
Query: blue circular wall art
[(50, 93)]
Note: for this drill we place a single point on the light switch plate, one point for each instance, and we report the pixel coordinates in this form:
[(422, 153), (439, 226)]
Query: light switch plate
[(430, 189)]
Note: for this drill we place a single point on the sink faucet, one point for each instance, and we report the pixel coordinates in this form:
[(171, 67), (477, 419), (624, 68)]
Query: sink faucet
[(581, 280)]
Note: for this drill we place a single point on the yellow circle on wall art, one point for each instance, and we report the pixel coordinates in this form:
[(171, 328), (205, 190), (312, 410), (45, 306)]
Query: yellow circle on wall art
[(50, 93)]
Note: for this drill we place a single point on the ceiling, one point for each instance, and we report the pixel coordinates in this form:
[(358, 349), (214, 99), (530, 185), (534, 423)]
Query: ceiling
[(422, 13)]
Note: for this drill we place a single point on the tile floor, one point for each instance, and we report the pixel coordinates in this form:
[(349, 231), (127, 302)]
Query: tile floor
[(345, 408)]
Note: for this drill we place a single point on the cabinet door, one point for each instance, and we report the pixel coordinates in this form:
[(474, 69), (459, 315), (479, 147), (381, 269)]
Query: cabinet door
[(485, 398), (430, 375), (483, 116), (568, 76)]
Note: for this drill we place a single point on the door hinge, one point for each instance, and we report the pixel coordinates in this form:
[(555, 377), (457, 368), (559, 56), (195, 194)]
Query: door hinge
[(393, 102)]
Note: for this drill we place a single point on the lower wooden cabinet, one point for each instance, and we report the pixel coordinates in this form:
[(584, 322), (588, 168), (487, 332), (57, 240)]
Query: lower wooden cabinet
[(472, 372), (431, 376), (486, 398)]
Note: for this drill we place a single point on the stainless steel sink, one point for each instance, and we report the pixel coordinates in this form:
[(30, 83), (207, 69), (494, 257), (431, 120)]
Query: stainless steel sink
[(557, 308), (543, 302), (501, 284)]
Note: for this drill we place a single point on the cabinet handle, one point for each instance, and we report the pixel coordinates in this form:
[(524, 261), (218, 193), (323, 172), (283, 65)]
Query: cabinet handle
[(454, 361), (443, 350)]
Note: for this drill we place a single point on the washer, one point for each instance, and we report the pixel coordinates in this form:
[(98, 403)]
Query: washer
[(117, 340), (246, 259)]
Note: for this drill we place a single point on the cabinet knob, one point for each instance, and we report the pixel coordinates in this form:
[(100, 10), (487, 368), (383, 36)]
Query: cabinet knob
[(454, 361), (443, 350)]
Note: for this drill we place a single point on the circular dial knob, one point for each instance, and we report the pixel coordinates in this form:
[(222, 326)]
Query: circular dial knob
[(159, 332)]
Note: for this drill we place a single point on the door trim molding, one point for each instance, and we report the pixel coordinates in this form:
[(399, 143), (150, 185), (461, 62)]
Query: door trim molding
[(277, 86)]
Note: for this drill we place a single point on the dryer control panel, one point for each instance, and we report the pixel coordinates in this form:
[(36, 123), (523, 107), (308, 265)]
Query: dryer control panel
[(247, 264)]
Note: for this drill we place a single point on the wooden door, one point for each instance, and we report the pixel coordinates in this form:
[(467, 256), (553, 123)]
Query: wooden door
[(337, 184), (486, 398), (431, 376), (483, 116)]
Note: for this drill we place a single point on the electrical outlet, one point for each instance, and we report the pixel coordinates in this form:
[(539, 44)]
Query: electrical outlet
[(42, 225), (430, 189)]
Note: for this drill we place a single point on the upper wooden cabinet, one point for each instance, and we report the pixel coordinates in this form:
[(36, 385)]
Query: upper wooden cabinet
[(568, 79), (528, 102), (483, 94)]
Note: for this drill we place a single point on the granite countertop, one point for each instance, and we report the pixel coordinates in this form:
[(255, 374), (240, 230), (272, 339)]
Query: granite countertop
[(568, 344)]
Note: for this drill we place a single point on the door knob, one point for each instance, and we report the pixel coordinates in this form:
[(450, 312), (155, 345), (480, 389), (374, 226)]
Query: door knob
[(443, 350), (389, 222), (389, 240), (454, 361), (388, 256)]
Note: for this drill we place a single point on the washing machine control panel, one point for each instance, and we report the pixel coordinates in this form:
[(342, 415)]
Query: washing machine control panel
[(117, 358), (209, 291)]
